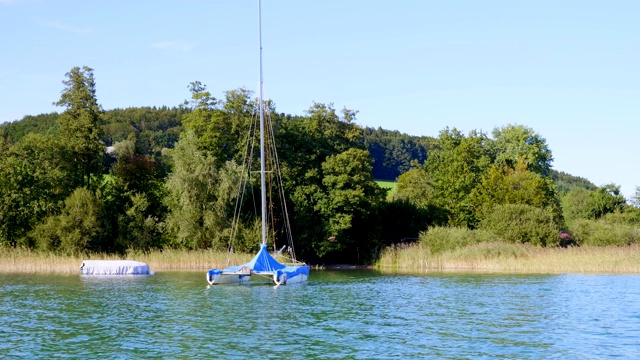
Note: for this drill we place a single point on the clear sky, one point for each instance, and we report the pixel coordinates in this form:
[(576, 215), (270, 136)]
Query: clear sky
[(569, 69)]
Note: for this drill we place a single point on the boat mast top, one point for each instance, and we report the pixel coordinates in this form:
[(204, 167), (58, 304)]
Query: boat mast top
[(263, 190)]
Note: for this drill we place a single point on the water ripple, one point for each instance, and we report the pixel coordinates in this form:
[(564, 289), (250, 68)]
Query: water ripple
[(348, 314)]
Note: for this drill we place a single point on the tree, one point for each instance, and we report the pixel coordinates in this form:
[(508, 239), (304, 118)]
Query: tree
[(513, 143), (580, 203), (200, 97), (575, 204), (415, 187), (393, 152), (635, 199), (211, 125), (200, 197), (605, 200), (139, 228), (32, 186), (566, 182), (455, 169), (76, 229), (136, 171), (503, 184), (79, 125), (350, 198)]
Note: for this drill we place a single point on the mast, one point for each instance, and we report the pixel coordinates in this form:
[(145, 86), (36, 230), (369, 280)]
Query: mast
[(263, 190)]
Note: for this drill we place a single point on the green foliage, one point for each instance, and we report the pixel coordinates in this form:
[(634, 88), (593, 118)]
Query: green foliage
[(393, 152), (455, 169), (153, 128), (575, 204), (339, 213), (606, 199), (440, 239), (45, 124), (350, 195), (602, 233), (79, 126), (32, 186), (414, 186), (513, 143), (200, 97), (135, 171), (139, 229), (504, 184), (304, 144), (219, 130), (520, 223), (629, 216), (579, 203), (401, 221), (566, 182), (76, 230), (200, 197)]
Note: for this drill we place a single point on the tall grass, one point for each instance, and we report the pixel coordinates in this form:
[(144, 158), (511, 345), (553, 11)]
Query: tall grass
[(484, 256), (28, 261), (515, 258)]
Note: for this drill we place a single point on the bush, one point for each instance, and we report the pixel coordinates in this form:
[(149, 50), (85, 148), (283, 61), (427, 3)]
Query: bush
[(602, 233), (440, 239), (74, 230), (45, 236), (519, 223)]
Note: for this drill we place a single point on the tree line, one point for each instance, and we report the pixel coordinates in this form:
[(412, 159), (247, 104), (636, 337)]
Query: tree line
[(90, 180)]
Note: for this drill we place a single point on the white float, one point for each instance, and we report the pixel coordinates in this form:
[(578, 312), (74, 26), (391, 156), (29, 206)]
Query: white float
[(114, 267)]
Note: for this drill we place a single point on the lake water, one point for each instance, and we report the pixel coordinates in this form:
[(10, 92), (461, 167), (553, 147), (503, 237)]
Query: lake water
[(338, 314)]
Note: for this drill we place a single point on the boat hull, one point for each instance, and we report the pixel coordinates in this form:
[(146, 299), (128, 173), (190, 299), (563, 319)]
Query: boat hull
[(300, 278), (222, 278)]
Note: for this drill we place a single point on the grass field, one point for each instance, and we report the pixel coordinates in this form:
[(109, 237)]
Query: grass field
[(387, 184)]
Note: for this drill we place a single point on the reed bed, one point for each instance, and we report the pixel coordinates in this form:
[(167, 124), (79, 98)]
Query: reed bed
[(27, 261), (482, 257), (514, 258)]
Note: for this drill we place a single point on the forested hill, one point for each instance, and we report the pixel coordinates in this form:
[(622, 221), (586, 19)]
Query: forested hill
[(393, 152), (157, 128), (154, 128), (160, 127)]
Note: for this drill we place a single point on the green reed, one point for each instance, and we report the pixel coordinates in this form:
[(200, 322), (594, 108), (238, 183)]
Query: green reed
[(517, 258)]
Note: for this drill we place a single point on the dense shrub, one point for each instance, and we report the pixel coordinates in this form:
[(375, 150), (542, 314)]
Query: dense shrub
[(518, 223), (75, 230), (602, 233), (440, 239)]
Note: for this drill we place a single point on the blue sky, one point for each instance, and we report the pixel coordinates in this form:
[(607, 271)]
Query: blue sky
[(568, 69)]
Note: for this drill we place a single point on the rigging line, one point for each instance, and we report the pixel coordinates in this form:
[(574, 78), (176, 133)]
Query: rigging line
[(269, 139), (283, 200), (242, 185)]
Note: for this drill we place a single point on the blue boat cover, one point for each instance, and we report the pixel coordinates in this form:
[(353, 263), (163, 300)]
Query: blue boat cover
[(263, 261)]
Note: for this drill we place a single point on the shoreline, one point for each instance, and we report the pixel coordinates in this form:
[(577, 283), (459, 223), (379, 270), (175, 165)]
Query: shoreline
[(416, 259)]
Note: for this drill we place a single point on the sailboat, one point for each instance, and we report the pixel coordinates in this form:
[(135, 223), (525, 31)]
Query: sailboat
[(263, 263)]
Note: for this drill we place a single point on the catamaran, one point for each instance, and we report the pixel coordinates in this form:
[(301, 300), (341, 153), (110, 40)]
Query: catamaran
[(263, 263)]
